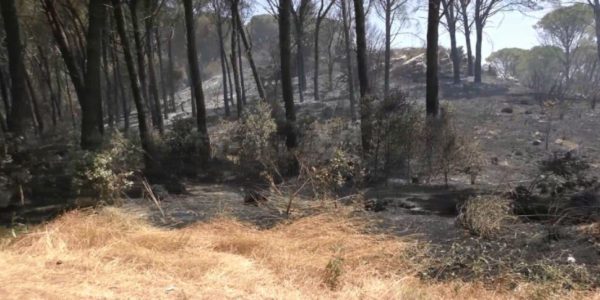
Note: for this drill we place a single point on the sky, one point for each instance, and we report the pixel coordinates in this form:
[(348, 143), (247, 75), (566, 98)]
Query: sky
[(509, 29)]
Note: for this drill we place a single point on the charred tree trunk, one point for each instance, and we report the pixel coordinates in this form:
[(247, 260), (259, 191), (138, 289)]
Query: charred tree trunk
[(365, 90), (171, 70), (18, 119), (165, 103), (144, 128), (36, 115), (196, 81), (300, 73), (223, 64), (4, 93), (388, 51), (234, 59), (467, 31), (139, 52), (248, 47), (347, 49), (152, 84), (242, 81), (285, 7), (433, 21), (91, 123)]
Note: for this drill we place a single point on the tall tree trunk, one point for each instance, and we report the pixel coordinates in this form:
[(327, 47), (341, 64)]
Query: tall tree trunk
[(433, 21), (234, 59), (47, 75), (451, 15), (388, 51), (316, 60), (4, 93), (109, 91), (478, 45), (163, 87), (139, 52), (467, 30), (196, 81), (285, 7), (259, 86), (144, 128), (171, 66), (91, 123), (300, 73), (365, 90), (152, 85), (125, 110), (223, 64), (347, 49), (18, 119), (36, 115), (228, 67), (596, 8), (242, 81)]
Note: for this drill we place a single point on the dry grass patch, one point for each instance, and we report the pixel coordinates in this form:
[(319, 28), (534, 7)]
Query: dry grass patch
[(486, 215), (108, 254)]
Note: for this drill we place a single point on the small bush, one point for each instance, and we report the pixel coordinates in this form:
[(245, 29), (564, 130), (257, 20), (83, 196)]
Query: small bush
[(255, 135), (107, 173), (485, 216)]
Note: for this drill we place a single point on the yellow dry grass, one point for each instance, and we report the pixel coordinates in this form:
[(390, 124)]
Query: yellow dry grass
[(108, 254)]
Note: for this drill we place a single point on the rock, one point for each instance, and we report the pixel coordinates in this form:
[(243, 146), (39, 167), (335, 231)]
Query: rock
[(376, 205), (494, 161), (254, 197), (507, 110), (160, 191), (528, 112), (518, 153), (536, 142)]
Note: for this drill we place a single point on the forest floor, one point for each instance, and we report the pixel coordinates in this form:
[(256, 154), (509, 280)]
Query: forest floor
[(208, 244)]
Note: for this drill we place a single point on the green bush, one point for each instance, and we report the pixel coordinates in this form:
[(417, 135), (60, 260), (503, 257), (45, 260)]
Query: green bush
[(107, 173)]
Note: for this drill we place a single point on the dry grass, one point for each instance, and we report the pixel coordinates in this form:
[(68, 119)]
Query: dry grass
[(485, 216), (108, 254)]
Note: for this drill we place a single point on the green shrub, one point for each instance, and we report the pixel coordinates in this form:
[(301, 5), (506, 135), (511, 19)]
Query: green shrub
[(107, 173)]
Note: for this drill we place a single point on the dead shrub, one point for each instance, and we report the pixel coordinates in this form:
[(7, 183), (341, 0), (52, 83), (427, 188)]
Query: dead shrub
[(447, 151), (485, 216)]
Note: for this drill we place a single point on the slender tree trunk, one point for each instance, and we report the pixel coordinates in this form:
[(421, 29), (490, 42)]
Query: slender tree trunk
[(139, 52), (365, 90), (467, 30), (596, 8), (163, 87), (18, 119), (259, 86), (171, 70), (285, 7), (349, 71), (242, 81), (152, 85), (47, 75), (478, 58), (4, 93), (36, 115), (234, 59), (228, 67), (123, 96), (388, 50), (196, 81), (433, 21), (223, 64), (316, 60), (110, 97), (300, 73), (144, 128)]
